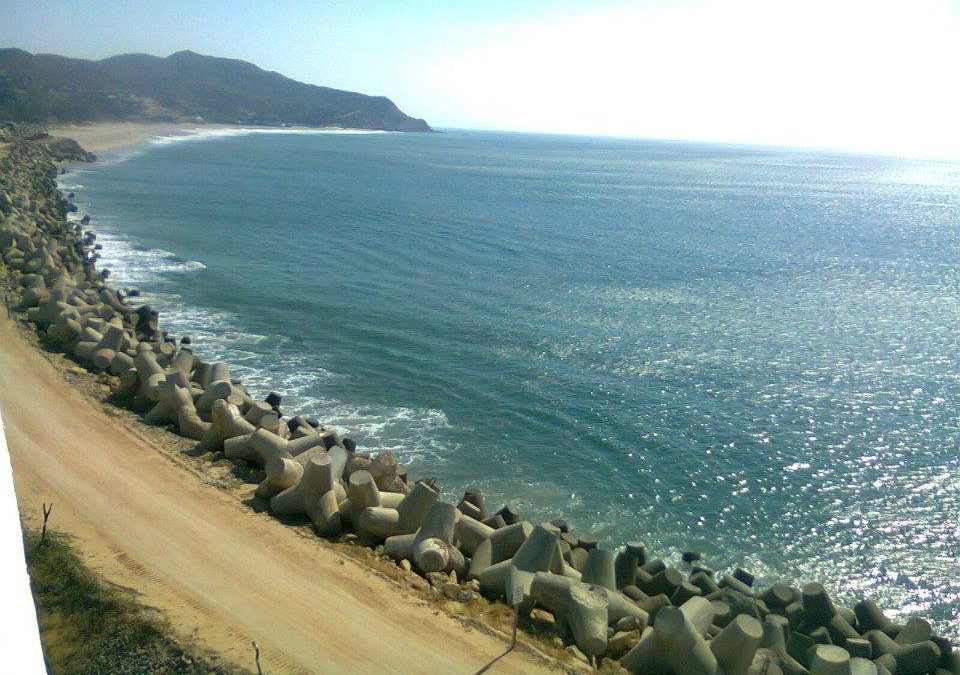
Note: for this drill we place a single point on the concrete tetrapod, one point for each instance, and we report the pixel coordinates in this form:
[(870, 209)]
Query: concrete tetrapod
[(264, 445), (150, 375), (471, 533), (314, 494), (775, 629), (281, 473), (172, 393), (284, 472), (189, 422), (431, 549), (66, 331), (620, 607), (599, 569), (871, 617), (175, 404), (215, 391), (626, 563), (256, 411), (108, 347), (913, 631), (650, 604), (778, 596), (362, 493), (380, 522), (227, 422), (916, 658), (862, 666), (501, 545), (829, 660), (206, 374), (673, 646), (87, 344), (699, 612), (121, 363), (736, 645), (512, 578), (819, 611), (577, 604)]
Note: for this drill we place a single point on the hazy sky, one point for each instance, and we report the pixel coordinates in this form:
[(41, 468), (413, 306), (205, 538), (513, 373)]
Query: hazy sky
[(854, 74)]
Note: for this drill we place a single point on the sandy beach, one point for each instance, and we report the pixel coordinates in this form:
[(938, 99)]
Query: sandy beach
[(112, 136)]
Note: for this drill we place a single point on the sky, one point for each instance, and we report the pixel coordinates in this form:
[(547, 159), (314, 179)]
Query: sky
[(877, 76)]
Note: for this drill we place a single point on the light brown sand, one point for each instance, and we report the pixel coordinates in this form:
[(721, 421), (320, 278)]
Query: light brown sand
[(108, 136)]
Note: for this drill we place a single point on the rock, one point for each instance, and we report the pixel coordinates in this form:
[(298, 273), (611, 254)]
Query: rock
[(608, 665), (542, 616), (384, 469), (450, 589), (63, 149), (621, 643), (358, 463), (418, 583), (406, 565), (467, 596), (398, 486), (628, 623), (575, 653), (437, 579)]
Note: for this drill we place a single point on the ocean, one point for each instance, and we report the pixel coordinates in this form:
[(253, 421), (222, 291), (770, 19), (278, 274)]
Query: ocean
[(746, 352)]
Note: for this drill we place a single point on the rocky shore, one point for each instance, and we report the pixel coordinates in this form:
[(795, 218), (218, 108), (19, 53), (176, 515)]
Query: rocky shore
[(626, 609)]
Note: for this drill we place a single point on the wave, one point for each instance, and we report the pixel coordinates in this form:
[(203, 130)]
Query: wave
[(201, 134), (263, 362), (131, 265)]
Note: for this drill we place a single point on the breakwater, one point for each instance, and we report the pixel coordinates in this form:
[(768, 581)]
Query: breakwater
[(375, 502)]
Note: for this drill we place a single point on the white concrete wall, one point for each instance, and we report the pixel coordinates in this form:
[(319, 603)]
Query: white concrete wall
[(20, 649)]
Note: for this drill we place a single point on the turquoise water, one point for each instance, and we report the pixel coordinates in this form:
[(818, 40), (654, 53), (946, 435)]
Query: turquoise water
[(748, 352)]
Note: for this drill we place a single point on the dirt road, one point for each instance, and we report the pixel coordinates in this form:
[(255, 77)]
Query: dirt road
[(217, 570)]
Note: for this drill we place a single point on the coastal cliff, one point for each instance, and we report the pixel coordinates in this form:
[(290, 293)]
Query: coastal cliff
[(184, 86)]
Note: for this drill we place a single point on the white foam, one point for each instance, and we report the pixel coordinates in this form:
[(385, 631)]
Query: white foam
[(263, 362), (130, 266), (266, 363), (201, 134)]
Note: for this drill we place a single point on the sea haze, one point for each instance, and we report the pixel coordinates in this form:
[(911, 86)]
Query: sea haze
[(747, 352)]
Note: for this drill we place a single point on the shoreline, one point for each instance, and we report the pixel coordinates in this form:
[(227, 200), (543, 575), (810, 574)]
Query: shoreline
[(401, 611), (213, 594), (652, 587), (116, 137), (100, 137)]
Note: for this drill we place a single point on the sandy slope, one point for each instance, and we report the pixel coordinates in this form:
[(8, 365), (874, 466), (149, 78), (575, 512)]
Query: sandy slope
[(216, 569)]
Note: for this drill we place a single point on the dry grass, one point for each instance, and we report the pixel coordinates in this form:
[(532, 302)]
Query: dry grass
[(89, 627)]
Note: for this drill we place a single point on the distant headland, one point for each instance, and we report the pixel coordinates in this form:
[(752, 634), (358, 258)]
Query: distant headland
[(182, 87)]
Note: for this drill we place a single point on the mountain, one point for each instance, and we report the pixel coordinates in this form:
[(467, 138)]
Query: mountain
[(184, 85)]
